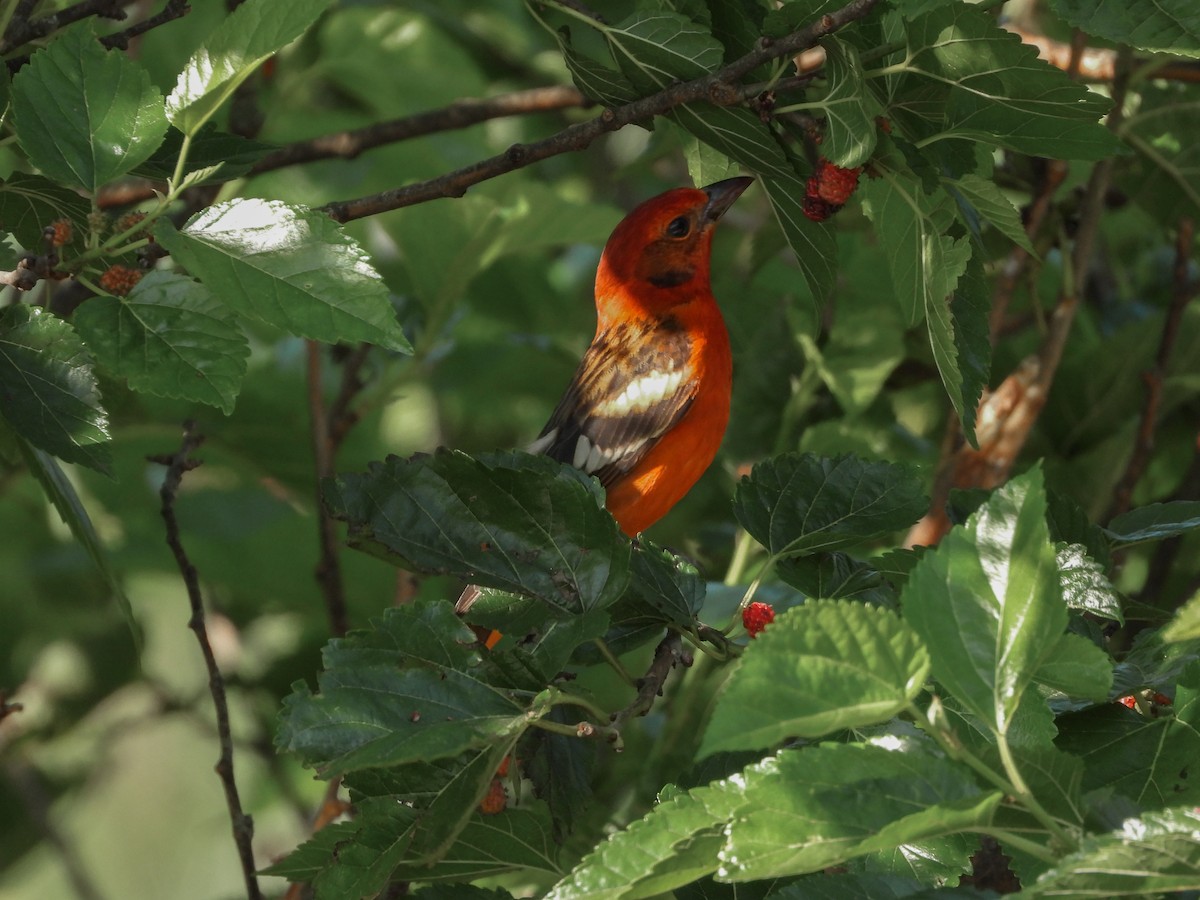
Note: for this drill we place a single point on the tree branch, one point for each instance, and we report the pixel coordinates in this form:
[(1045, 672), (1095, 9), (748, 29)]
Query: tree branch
[(1183, 292), (175, 9), (243, 826), (22, 29), (718, 88), (329, 570), (667, 655), (459, 114)]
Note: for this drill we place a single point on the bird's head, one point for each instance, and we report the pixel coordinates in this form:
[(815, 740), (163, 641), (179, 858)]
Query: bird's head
[(660, 251)]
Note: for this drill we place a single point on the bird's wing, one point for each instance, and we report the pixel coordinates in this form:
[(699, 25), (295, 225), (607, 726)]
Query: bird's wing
[(633, 385)]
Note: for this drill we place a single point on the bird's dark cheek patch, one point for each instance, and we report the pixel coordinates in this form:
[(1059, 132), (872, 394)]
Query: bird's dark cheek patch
[(670, 277)]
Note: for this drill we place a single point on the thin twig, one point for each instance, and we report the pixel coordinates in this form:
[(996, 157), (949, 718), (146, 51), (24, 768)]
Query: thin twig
[(459, 114), (1162, 563), (22, 29), (1091, 209), (175, 9), (243, 826), (329, 569), (1143, 446), (342, 414), (1018, 259), (667, 655), (718, 88)]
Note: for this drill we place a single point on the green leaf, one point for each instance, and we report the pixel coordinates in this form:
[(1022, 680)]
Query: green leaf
[(819, 668), (936, 279), (170, 337), (355, 858), (966, 375), (1170, 26), (987, 602), (86, 115), (1158, 853), (663, 587), (62, 494), (1077, 668), (241, 43), (222, 156), (980, 198), (1154, 522), (387, 698), (838, 576), (511, 840), (707, 165), (48, 391), (291, 267), (812, 244), (657, 49), (994, 89), (866, 343), (820, 806), (1085, 587), (673, 844), (850, 107), (523, 524), (1152, 663), (1163, 176), (1185, 626), (867, 887), (800, 503), (925, 262), (1152, 761), (28, 203)]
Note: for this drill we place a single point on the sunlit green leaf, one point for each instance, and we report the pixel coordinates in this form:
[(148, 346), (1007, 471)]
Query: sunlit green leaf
[(818, 668), (1155, 854), (293, 268), (818, 806), (987, 602), (253, 31), (86, 115)]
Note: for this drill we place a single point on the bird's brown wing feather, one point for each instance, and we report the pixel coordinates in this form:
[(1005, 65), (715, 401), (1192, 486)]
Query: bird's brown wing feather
[(632, 386)]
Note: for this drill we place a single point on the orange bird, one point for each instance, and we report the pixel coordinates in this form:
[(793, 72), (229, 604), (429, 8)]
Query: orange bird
[(648, 405)]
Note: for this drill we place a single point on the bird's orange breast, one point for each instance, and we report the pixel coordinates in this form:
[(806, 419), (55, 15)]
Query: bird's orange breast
[(666, 473)]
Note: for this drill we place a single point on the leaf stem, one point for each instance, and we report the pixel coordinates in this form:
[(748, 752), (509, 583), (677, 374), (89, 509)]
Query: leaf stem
[(616, 664), (741, 557), (1007, 838), (562, 698), (1013, 785), (1026, 797)]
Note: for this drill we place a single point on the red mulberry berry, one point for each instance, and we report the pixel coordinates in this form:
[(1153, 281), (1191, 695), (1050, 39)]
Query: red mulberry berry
[(119, 280), (496, 799), (828, 189), (756, 617), (60, 232)]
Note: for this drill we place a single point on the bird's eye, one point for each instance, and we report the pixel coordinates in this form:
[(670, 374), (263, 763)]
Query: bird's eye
[(679, 227)]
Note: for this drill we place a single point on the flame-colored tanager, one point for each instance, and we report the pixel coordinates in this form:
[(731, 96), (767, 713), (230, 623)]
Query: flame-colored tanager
[(647, 408)]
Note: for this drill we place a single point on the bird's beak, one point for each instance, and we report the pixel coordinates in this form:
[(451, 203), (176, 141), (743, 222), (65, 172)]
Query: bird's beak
[(722, 194)]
